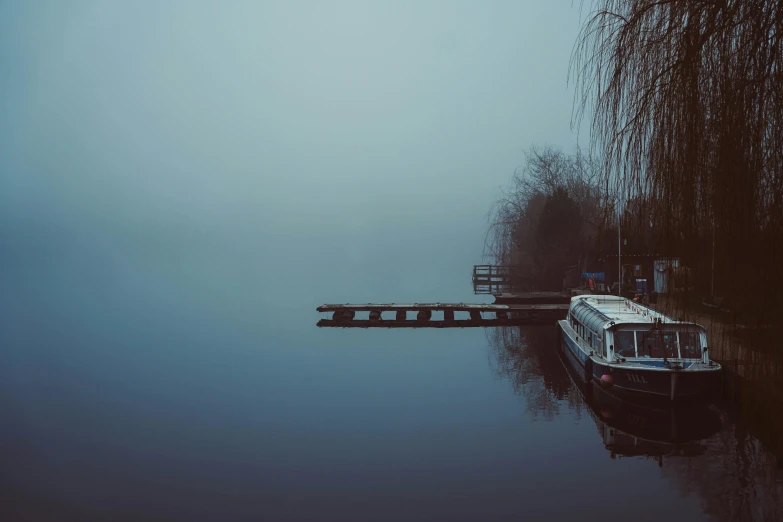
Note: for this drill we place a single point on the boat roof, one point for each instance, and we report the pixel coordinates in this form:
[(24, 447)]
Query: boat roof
[(617, 309)]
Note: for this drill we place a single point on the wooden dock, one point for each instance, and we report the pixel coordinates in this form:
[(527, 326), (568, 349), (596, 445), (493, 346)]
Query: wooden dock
[(454, 315)]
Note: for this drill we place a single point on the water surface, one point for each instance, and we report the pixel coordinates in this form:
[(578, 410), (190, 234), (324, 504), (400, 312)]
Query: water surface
[(202, 390)]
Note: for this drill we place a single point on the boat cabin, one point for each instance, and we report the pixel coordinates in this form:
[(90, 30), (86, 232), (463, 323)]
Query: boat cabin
[(617, 329)]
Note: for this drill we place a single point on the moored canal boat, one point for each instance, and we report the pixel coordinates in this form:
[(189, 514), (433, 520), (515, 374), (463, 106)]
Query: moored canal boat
[(623, 345)]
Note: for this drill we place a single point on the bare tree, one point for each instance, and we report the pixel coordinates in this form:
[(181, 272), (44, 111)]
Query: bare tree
[(514, 218)]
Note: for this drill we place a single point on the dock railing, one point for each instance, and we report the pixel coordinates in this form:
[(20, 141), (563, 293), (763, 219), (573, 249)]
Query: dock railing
[(496, 279)]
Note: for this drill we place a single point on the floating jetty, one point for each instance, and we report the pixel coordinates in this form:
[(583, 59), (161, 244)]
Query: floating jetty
[(449, 315)]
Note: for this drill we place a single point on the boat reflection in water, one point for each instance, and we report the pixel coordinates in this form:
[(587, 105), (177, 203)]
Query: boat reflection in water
[(632, 426), (632, 430)]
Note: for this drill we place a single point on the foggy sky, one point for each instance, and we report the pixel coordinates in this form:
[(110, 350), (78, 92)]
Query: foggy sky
[(347, 130)]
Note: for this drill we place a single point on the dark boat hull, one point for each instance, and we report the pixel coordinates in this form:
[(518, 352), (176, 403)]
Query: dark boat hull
[(660, 384)]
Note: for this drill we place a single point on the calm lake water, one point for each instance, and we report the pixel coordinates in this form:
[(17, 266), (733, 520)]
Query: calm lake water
[(155, 382), (183, 183)]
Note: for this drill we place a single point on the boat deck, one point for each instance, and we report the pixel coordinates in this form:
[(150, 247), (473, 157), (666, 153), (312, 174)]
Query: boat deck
[(620, 309)]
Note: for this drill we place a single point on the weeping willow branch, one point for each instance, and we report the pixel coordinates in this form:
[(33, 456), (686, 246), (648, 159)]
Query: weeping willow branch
[(685, 100)]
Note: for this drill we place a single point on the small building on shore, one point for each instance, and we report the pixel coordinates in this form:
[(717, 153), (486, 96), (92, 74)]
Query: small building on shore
[(656, 269)]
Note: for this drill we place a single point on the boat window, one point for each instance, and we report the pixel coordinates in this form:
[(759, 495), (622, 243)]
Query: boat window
[(669, 340), (624, 344), (649, 345), (656, 344), (690, 345)]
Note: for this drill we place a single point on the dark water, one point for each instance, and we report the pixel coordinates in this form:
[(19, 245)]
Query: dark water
[(195, 386)]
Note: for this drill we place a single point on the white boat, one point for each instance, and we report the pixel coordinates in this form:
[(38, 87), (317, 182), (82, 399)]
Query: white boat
[(621, 344)]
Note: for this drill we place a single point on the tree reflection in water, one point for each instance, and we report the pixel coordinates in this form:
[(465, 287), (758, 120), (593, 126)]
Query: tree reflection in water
[(525, 356), (712, 452), (737, 478)]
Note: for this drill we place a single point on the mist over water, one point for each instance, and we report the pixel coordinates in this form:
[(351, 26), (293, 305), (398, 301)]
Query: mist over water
[(296, 146), (229, 168), (181, 184)]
